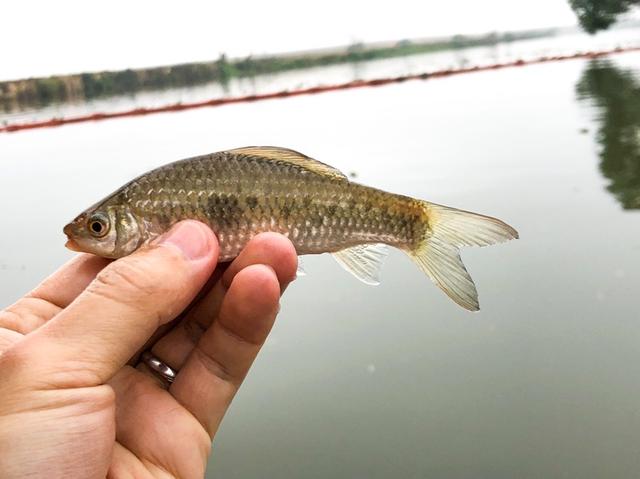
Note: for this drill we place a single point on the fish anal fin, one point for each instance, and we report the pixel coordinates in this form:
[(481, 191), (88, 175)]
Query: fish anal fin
[(285, 155), (363, 261)]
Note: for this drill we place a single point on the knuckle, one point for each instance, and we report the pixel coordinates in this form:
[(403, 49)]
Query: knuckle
[(193, 330), (10, 320), (139, 277), (129, 275), (14, 360), (24, 362), (27, 314), (215, 367), (73, 374), (102, 397), (143, 283)]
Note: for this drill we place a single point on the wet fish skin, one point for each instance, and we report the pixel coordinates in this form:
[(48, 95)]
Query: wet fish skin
[(240, 193)]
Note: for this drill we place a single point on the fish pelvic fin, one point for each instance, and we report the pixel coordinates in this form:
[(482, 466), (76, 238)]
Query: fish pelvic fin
[(438, 254), (363, 261)]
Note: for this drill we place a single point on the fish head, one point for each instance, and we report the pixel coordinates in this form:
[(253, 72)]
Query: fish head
[(107, 231)]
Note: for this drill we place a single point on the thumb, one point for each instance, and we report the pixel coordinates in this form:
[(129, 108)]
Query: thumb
[(95, 336)]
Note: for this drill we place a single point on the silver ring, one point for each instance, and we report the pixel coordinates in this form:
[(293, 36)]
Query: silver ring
[(158, 367)]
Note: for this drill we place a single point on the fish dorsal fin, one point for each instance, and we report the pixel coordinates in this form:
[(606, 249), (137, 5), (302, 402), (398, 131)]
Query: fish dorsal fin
[(286, 155), (363, 261)]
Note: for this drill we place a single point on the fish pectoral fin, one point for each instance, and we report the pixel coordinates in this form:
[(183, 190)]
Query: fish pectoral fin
[(363, 261), (300, 272)]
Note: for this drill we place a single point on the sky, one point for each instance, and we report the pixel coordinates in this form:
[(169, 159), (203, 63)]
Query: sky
[(41, 37)]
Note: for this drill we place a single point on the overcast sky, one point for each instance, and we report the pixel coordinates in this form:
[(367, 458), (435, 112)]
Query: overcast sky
[(43, 37)]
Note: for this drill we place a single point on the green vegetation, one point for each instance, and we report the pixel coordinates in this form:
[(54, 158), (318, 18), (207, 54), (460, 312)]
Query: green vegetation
[(616, 93), (36, 92), (595, 15)]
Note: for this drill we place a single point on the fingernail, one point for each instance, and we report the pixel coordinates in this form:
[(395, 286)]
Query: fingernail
[(189, 237)]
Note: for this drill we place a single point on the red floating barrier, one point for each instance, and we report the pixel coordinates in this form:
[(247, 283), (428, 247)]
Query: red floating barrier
[(53, 122)]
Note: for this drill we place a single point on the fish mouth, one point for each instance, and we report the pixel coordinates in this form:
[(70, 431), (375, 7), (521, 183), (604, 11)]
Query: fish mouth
[(71, 243), (73, 246)]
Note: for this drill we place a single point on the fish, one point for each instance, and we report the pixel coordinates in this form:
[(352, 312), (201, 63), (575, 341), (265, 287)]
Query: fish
[(242, 192)]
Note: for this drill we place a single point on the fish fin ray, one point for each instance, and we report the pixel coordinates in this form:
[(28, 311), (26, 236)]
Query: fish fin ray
[(276, 153), (438, 256), (363, 261), (463, 228), (300, 272), (442, 263)]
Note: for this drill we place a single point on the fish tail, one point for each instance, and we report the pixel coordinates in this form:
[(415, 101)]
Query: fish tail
[(438, 254)]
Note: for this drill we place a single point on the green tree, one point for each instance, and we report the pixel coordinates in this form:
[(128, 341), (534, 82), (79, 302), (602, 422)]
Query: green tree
[(91, 85), (616, 94), (225, 71), (595, 15), (125, 81), (356, 51), (459, 41)]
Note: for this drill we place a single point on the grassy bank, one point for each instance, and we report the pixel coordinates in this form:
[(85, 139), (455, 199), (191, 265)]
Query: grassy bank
[(38, 92)]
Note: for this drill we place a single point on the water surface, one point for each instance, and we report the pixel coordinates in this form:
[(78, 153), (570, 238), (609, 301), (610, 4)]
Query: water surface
[(397, 381)]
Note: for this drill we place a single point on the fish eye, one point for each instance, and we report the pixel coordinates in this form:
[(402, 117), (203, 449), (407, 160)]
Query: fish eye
[(98, 225)]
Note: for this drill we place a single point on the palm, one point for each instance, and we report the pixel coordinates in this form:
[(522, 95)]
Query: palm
[(132, 424), (148, 423)]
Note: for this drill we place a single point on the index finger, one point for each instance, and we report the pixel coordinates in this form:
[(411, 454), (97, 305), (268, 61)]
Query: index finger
[(52, 295), (63, 286)]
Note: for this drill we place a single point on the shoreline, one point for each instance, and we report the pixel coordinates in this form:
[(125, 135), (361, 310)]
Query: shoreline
[(16, 95), (56, 122)]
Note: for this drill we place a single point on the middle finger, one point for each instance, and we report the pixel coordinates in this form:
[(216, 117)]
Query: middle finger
[(271, 249)]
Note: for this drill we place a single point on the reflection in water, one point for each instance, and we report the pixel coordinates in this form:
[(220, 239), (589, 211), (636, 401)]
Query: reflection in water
[(616, 92)]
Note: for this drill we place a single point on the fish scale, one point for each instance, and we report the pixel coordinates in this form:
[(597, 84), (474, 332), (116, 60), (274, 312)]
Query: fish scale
[(239, 196)]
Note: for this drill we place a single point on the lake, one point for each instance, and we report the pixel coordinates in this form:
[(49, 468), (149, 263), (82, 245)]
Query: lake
[(398, 381)]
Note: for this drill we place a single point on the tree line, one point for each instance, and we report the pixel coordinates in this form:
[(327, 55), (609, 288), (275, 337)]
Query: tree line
[(37, 92)]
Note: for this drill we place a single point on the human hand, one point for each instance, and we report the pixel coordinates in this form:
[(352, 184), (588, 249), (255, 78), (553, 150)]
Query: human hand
[(71, 403)]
